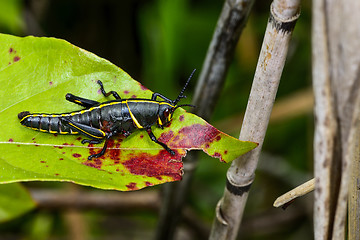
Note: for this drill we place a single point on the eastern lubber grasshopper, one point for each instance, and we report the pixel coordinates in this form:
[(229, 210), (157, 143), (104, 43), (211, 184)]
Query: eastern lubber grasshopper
[(100, 121)]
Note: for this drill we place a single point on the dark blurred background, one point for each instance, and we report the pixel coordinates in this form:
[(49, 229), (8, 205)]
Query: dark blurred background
[(159, 43)]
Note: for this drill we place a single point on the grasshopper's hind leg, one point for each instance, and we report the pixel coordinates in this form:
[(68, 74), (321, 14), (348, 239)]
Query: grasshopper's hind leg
[(87, 103), (96, 135)]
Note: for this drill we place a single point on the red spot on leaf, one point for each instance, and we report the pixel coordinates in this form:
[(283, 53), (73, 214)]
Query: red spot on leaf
[(91, 164), (195, 136), (181, 118), (95, 162), (61, 159), (126, 92), (50, 83), (217, 155), (225, 152), (133, 96), (11, 50), (131, 186), (166, 136), (155, 165), (56, 174), (42, 161), (218, 138), (143, 87), (78, 138), (16, 58), (76, 155), (11, 140), (148, 184), (110, 143), (113, 153)]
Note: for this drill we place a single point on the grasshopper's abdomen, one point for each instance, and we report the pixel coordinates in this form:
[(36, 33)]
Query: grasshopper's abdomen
[(45, 123)]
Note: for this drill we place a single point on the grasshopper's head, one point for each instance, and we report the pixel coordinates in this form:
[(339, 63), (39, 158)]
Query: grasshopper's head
[(165, 113), (167, 108)]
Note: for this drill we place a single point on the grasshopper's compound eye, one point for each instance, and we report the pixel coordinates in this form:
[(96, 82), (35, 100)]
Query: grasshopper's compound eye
[(166, 113)]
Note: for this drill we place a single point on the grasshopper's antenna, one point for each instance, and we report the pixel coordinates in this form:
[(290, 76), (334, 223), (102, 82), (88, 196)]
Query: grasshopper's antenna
[(183, 90)]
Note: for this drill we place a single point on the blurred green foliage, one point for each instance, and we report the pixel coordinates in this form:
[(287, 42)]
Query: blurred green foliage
[(159, 42), (11, 20)]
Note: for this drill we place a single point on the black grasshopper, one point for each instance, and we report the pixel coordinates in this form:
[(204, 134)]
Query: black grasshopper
[(101, 121)]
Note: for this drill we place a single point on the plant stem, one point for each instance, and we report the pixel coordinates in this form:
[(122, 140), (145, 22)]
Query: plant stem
[(283, 16), (219, 56), (299, 191), (336, 81)]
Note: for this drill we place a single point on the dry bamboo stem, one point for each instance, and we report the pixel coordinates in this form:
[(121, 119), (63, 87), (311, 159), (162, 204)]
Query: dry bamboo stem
[(354, 182), (229, 211), (219, 56), (325, 123), (336, 71)]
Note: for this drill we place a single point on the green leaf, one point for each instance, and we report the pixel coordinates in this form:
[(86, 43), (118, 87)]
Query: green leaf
[(35, 75), (15, 200)]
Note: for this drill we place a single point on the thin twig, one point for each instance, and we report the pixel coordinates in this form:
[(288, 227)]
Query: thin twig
[(299, 191), (96, 199), (112, 201)]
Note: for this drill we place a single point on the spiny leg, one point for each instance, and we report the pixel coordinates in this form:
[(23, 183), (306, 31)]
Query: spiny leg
[(154, 139), (106, 94), (87, 103)]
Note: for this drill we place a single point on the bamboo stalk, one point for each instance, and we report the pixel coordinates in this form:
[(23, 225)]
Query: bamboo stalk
[(283, 16), (325, 126), (345, 70), (219, 56), (336, 71), (354, 184)]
